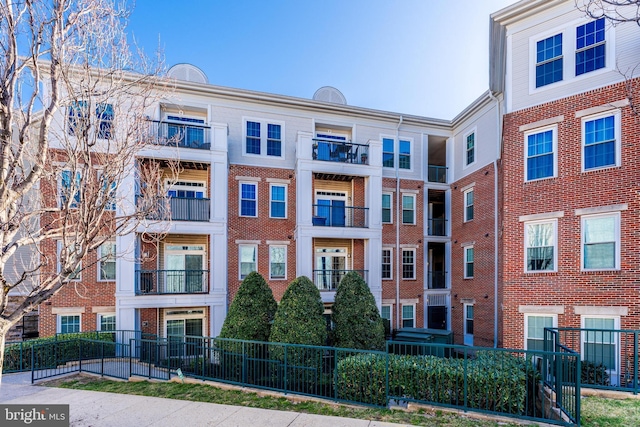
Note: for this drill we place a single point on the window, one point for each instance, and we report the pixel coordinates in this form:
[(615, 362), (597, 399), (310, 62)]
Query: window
[(540, 243), (278, 204), (184, 265), (540, 162), (408, 316), (263, 138), (404, 159), (68, 324), (387, 265), (248, 199), (107, 261), (248, 260), (387, 152), (77, 121), (387, 215), (468, 205), (590, 47), (109, 193), (107, 322), (277, 262), (76, 274), (408, 209), (471, 149), (187, 190), (600, 342), (600, 242), (468, 323), (385, 312), (599, 139), (69, 189), (534, 330), (468, 262), (408, 263), (549, 60), (104, 114)]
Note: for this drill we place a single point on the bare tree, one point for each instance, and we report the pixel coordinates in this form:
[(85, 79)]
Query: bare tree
[(72, 118), (615, 11)]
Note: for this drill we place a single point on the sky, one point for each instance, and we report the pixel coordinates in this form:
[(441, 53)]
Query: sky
[(421, 57)]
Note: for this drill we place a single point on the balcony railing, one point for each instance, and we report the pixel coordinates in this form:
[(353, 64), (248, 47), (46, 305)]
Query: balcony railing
[(340, 216), (340, 151), (437, 174), (437, 227), (181, 135), (328, 280), (180, 209), (437, 279), (162, 282)]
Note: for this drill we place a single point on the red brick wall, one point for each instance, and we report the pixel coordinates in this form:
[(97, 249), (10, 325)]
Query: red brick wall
[(480, 232), (570, 190)]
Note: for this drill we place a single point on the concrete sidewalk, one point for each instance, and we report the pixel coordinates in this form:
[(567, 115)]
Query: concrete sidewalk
[(92, 408)]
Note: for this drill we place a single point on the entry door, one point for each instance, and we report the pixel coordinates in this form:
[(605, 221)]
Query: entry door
[(468, 324), (331, 266), (179, 345), (333, 211), (184, 265)]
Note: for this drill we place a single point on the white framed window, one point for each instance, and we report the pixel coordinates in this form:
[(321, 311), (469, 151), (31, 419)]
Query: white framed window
[(404, 156), (184, 265), (107, 261), (409, 209), (186, 189), (388, 150), (248, 199), (69, 188), (106, 322), (248, 259), (104, 116), (534, 325), (540, 242), (77, 118), (263, 138), (278, 201), (387, 263), (470, 148), (601, 242), (590, 46), (277, 262), (600, 342), (468, 196), (549, 60), (386, 312), (408, 264), (601, 141), (408, 315), (468, 318), (387, 208), (69, 323), (403, 149), (468, 262), (76, 275), (540, 153)]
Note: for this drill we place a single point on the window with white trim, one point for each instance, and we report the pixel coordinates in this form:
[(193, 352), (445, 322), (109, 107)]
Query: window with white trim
[(386, 312), (387, 263), (77, 118), (277, 262), (404, 147), (76, 274), (600, 143), (106, 322), (601, 241), (69, 323), (404, 158), (69, 188), (540, 245), (540, 158), (387, 211), (408, 316), (388, 152), (249, 199), (107, 261), (278, 202), (590, 46), (534, 325), (549, 60), (104, 115), (468, 262), (248, 259), (408, 263), (263, 138), (468, 205), (600, 342), (409, 209), (470, 151)]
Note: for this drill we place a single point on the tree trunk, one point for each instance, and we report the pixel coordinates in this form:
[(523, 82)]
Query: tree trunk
[(4, 330)]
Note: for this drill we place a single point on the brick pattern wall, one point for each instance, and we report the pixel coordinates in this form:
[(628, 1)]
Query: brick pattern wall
[(572, 189)]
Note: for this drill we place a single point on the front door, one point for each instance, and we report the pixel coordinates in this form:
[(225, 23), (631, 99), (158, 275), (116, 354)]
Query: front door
[(331, 266), (331, 207), (184, 267), (181, 335)]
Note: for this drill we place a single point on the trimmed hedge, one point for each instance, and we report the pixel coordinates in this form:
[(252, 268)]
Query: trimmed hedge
[(495, 381)]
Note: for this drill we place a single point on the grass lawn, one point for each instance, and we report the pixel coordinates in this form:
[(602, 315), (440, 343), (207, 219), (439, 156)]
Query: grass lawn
[(206, 393), (601, 412)]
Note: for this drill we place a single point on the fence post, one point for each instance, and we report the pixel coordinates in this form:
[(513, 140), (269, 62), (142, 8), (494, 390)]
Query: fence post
[(21, 356), (285, 369), (33, 364), (102, 358), (577, 387), (80, 354), (558, 374), (335, 373), (464, 372), (244, 363), (386, 372), (130, 357)]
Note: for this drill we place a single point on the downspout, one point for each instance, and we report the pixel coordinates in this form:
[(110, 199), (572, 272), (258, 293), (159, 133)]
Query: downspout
[(398, 211), (496, 262)]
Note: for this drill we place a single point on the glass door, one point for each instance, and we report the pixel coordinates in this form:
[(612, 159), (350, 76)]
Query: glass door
[(332, 207), (184, 269), (331, 266)]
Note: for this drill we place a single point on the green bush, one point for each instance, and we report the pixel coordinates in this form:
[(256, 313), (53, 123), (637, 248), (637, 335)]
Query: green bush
[(251, 312), (357, 321), (592, 373)]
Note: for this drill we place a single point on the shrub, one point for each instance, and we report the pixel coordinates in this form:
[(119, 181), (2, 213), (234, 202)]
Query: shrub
[(251, 312), (357, 321), (592, 373)]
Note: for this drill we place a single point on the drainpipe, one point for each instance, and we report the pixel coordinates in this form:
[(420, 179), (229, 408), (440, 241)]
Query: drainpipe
[(496, 224), (398, 211)]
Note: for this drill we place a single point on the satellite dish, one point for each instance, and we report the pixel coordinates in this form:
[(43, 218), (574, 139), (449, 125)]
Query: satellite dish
[(330, 94), (188, 73)]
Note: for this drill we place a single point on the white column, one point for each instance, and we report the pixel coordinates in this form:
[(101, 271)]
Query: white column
[(126, 319), (304, 256)]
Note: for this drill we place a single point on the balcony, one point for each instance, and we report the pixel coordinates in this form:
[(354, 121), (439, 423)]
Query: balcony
[(169, 282), (437, 227), (179, 209), (340, 151), (334, 215), (437, 174), (180, 135), (437, 280), (328, 280)]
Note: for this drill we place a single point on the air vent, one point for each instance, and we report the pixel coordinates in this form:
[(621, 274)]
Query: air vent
[(330, 94), (187, 73)]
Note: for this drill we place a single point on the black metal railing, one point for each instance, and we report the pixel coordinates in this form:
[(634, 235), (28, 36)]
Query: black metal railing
[(437, 227), (178, 209), (160, 282), (340, 216), (437, 174), (340, 151), (437, 279), (328, 280), (180, 135)]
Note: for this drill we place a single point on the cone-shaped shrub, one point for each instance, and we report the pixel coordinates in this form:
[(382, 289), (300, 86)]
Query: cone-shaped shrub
[(251, 312), (356, 319)]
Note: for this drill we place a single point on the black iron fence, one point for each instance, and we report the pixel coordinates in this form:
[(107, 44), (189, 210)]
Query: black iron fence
[(160, 282)]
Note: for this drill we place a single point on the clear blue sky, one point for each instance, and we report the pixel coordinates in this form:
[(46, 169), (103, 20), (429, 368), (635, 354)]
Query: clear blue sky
[(424, 57)]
